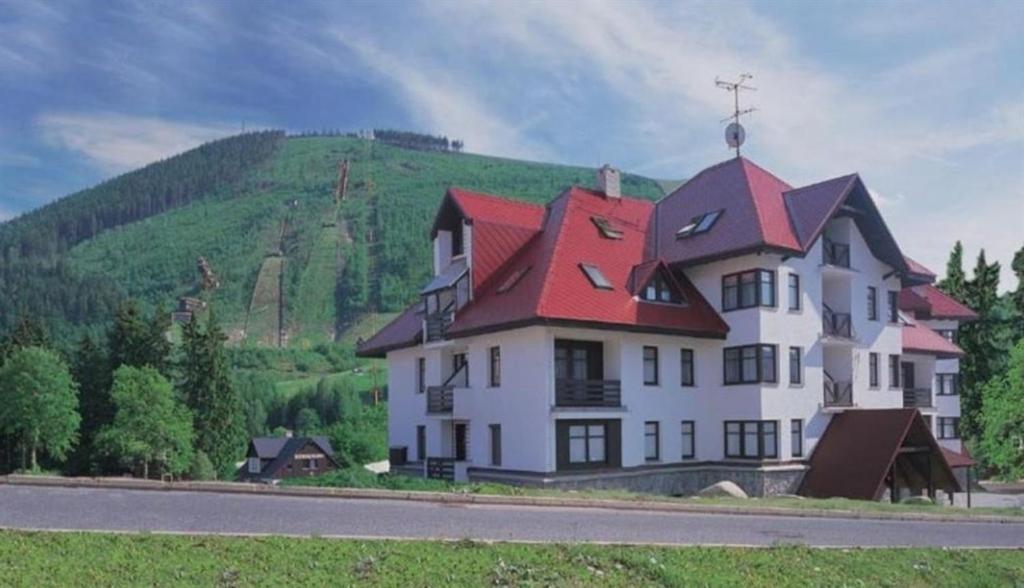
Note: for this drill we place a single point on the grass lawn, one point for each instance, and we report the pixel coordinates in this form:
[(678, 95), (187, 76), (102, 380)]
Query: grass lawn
[(360, 478), (66, 559)]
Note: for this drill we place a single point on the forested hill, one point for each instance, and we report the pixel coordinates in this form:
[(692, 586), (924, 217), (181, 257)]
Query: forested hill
[(296, 264)]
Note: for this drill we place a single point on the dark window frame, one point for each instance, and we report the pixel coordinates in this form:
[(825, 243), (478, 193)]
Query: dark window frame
[(947, 384), (661, 289), (894, 306), (596, 277), (657, 367), (895, 372), (799, 371), (872, 303), (657, 441), (760, 377), (689, 430), (874, 379), (759, 427), (953, 423), (756, 278), (796, 437), (795, 292), (687, 368), (494, 362), (421, 375), (495, 429)]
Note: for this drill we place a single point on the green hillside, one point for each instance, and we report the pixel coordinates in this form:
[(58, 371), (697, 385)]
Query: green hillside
[(294, 267)]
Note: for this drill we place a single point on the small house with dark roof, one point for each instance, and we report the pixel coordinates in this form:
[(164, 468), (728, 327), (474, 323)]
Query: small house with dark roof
[(276, 458), (740, 328)]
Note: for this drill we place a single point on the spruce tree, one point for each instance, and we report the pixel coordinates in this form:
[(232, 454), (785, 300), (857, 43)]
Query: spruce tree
[(138, 341), (955, 282), (1017, 296), (91, 370), (980, 340), (208, 390)]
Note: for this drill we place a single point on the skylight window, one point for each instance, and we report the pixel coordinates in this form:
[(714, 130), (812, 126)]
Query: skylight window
[(699, 224), (512, 280), (595, 276), (606, 228)]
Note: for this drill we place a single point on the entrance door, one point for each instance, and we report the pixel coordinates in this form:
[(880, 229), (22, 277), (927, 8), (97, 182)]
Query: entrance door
[(460, 441), (907, 375)]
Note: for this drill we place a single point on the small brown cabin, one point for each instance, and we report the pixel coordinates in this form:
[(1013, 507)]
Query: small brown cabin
[(275, 458)]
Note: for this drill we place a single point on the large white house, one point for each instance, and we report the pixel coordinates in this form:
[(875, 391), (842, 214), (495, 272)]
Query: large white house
[(738, 329)]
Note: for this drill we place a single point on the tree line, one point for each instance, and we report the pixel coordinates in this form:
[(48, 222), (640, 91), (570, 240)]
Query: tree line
[(130, 402)]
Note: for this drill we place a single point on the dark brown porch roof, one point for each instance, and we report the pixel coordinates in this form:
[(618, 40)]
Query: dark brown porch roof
[(854, 455)]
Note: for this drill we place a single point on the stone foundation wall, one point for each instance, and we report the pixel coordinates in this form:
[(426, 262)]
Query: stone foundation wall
[(755, 481)]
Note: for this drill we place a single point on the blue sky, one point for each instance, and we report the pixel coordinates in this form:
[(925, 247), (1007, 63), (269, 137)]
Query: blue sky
[(924, 99)]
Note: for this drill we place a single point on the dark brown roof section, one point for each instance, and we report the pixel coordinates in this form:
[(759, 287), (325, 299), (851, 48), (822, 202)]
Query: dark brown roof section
[(854, 456), (405, 331)]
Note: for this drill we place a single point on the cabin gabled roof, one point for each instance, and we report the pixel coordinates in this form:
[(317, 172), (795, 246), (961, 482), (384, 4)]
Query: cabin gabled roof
[(281, 450)]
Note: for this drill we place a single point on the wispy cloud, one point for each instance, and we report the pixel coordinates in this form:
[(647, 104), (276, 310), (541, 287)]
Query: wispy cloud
[(117, 143)]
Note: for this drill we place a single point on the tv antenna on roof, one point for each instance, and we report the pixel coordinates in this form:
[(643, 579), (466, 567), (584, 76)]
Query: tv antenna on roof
[(734, 133)]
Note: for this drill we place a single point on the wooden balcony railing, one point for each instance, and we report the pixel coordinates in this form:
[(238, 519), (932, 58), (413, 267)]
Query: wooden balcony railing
[(440, 399), (837, 254), (588, 393), (438, 322), (836, 324), (917, 398), (441, 468), (838, 394)]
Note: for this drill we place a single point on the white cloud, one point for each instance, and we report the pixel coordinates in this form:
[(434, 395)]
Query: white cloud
[(116, 143), (5, 215)]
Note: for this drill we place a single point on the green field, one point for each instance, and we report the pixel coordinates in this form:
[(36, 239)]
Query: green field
[(65, 559)]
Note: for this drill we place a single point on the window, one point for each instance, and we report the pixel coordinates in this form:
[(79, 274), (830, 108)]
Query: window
[(750, 364), (457, 240), (794, 292), (605, 228), (894, 307), (748, 289), (586, 444), (495, 375), (751, 439), (421, 442), (796, 372), (460, 362), (947, 334), (495, 445), (699, 224), (686, 367), (254, 465), (689, 440), (595, 276), (650, 366), (872, 303), (659, 290), (949, 427), (947, 384), (310, 464), (512, 280), (873, 370), (421, 375), (894, 371), (652, 442), (796, 437)]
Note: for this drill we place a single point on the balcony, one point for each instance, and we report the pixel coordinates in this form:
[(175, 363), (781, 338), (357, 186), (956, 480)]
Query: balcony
[(440, 399), (438, 322), (441, 468), (836, 324), (837, 394), (836, 254), (588, 393), (917, 398)]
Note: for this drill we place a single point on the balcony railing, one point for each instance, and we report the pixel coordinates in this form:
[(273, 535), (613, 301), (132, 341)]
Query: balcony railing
[(837, 254), (441, 468), (836, 324), (440, 399), (438, 322), (917, 398), (588, 393), (838, 394)]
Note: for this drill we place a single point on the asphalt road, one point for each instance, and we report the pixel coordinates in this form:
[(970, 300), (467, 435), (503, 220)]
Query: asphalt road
[(199, 512)]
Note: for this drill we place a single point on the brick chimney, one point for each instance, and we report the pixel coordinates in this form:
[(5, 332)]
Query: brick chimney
[(608, 181)]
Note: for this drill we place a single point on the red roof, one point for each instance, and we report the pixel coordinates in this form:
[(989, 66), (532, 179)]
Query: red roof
[(918, 338), (928, 302), (556, 290), (477, 206), (853, 456), (920, 269)]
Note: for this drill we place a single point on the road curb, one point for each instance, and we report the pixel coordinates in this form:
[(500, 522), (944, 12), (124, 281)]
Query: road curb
[(455, 498)]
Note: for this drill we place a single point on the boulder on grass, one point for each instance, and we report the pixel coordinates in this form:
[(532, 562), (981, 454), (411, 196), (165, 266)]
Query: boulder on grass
[(723, 488)]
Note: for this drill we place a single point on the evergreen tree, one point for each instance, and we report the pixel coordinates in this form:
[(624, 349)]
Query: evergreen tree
[(955, 282), (1017, 296), (38, 404), (28, 332), (151, 426), (137, 341), (979, 340), (91, 370), (209, 392)]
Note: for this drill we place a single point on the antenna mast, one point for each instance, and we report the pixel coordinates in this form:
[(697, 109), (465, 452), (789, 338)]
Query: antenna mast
[(734, 133)]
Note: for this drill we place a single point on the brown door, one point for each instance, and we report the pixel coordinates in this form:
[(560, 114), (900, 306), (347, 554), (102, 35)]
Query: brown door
[(460, 442)]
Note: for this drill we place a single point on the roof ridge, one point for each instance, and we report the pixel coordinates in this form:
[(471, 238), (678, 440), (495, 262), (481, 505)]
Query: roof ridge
[(753, 199), (501, 197), (555, 248), (699, 174), (767, 171)]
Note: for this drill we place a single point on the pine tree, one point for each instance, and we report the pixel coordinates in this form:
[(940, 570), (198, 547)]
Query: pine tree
[(139, 342), (979, 340), (91, 370), (1017, 296), (209, 392), (955, 282), (28, 332)]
